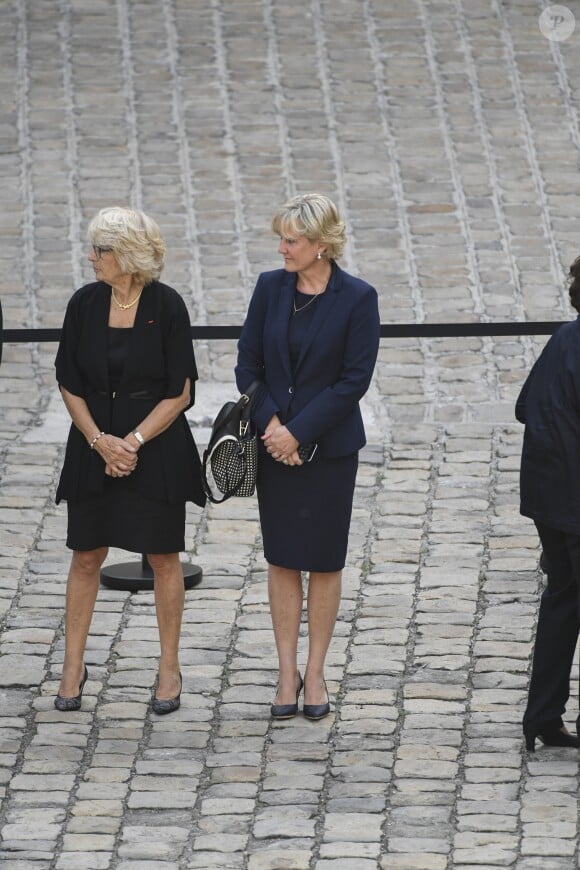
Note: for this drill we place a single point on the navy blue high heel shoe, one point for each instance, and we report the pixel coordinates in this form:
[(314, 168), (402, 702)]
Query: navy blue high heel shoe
[(169, 705), (287, 711), (69, 705), (317, 711)]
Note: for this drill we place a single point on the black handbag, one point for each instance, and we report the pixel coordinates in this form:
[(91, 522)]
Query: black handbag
[(230, 460)]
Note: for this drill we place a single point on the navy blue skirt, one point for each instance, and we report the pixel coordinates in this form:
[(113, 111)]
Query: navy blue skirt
[(119, 517), (305, 511)]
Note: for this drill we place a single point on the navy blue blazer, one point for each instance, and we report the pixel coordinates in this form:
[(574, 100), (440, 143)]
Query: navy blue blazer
[(319, 401), (549, 406)]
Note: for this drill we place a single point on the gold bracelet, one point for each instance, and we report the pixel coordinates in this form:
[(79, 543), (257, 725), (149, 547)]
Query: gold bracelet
[(95, 439)]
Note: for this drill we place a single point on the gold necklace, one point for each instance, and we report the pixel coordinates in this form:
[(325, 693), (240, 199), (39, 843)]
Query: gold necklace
[(314, 298), (129, 304), (302, 307)]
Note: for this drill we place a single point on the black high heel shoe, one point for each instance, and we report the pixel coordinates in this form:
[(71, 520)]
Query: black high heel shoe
[(287, 711), (552, 737), (317, 711), (69, 705), (169, 705)]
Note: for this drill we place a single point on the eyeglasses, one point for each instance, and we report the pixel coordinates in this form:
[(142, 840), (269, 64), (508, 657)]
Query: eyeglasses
[(98, 251)]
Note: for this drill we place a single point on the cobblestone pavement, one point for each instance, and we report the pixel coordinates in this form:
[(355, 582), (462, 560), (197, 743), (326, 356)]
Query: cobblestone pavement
[(447, 131)]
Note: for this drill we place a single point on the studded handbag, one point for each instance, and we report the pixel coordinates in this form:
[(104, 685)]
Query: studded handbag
[(230, 460)]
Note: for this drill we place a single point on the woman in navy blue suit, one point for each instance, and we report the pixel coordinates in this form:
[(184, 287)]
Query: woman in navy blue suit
[(549, 406), (311, 338)]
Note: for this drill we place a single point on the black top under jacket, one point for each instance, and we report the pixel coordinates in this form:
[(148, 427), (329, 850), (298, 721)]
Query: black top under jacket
[(549, 406), (160, 359)]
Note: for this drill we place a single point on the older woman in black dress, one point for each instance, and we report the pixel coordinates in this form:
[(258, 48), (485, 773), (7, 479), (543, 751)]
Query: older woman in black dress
[(126, 371), (311, 338)]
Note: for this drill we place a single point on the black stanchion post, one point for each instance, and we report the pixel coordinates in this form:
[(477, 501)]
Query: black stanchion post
[(135, 577)]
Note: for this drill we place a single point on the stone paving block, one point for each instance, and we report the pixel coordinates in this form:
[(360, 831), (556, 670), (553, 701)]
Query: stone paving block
[(413, 861), (17, 864), (424, 844), (147, 865), (219, 860), (94, 825), (494, 856), (354, 827), (21, 670), (347, 864), (152, 842), (89, 860), (221, 842), (276, 858)]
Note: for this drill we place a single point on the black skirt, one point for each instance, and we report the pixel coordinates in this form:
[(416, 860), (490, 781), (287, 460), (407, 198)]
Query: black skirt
[(119, 517), (305, 511)]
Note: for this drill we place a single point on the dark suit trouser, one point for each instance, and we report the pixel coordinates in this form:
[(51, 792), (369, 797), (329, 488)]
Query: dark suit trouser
[(557, 631)]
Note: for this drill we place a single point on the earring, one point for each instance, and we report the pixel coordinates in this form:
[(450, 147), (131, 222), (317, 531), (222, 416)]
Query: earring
[(319, 256)]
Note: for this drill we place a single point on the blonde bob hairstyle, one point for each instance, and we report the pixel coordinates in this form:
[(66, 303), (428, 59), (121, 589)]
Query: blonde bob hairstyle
[(315, 216), (135, 239)]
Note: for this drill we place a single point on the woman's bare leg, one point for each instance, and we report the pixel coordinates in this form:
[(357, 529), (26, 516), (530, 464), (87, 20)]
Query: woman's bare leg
[(285, 596), (81, 594), (169, 601), (324, 590)]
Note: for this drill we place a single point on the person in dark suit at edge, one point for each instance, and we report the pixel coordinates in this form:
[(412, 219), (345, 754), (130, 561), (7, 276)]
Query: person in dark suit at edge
[(549, 407), (126, 371), (311, 338)]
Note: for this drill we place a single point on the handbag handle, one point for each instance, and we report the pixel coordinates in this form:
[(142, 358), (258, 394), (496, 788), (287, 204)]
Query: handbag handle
[(244, 401)]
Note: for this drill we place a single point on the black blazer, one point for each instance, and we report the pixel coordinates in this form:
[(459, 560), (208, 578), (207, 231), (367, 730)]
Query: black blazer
[(319, 401), (160, 359), (549, 406)]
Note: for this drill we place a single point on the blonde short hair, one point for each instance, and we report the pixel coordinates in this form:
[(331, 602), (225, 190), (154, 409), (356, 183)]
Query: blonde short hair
[(315, 216), (135, 239)]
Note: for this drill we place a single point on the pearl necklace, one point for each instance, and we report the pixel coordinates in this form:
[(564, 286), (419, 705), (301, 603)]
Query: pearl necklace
[(129, 304)]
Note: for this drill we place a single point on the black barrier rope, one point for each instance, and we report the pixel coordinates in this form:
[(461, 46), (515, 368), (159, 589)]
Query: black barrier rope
[(390, 330), (134, 577), (20, 336)]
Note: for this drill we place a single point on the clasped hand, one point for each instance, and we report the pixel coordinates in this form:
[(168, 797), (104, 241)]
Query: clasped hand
[(119, 456), (280, 443)]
